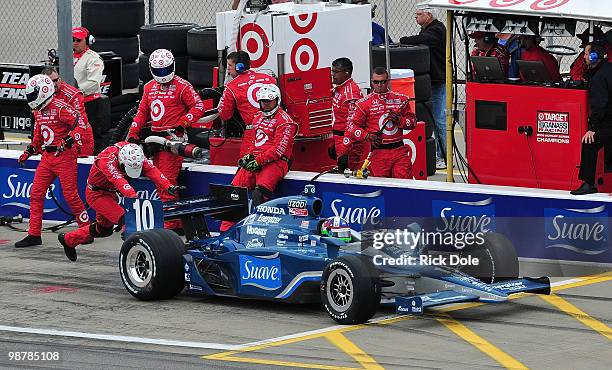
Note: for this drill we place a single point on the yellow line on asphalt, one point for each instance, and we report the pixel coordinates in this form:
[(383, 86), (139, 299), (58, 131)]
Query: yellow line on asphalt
[(579, 315), (479, 342), (283, 363), (350, 348)]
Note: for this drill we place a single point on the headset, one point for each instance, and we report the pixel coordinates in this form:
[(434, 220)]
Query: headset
[(597, 53), (89, 39), (243, 62)]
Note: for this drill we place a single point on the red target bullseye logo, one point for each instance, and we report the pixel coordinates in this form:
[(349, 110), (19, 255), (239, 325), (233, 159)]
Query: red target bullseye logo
[(47, 134), (304, 55), (548, 4), (504, 3), (157, 110), (260, 138), (303, 23), (253, 40)]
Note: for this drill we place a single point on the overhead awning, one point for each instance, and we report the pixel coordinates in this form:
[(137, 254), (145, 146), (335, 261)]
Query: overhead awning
[(586, 10)]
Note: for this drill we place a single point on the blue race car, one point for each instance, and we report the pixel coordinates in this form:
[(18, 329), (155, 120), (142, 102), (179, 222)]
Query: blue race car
[(285, 251)]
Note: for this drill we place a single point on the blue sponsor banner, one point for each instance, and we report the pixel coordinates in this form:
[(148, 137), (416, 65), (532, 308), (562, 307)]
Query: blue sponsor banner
[(464, 216), (263, 272), (582, 231), (358, 209)]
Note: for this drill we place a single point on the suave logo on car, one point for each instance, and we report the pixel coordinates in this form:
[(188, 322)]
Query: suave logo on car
[(583, 231), (356, 209), (263, 272), (459, 216)]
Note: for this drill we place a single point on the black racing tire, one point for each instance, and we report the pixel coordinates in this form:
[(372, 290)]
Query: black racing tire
[(497, 259), (415, 57), (181, 66), (349, 289), (151, 264), (430, 149), (422, 88), (113, 18), (123, 127), (130, 75), (144, 73), (171, 36), (200, 72), (424, 112), (202, 42), (125, 47)]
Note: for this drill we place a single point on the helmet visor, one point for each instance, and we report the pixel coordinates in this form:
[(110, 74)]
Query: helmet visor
[(133, 171), (162, 71), (31, 97)]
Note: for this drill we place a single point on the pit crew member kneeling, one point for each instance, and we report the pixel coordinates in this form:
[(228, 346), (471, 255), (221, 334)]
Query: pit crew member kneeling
[(173, 105), (267, 161), (380, 118), (106, 179)]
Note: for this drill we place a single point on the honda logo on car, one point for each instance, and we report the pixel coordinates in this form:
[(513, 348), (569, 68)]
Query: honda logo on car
[(263, 272), (252, 230), (272, 210)]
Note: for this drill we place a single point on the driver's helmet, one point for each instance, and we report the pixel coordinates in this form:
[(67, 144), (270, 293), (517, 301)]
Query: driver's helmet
[(39, 90), (336, 227), (161, 64), (131, 158), (269, 92)]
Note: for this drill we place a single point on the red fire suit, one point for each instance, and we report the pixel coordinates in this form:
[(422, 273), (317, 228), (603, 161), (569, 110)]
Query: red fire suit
[(271, 145), (538, 53), (239, 94), (168, 106), (497, 51), (345, 96), (82, 134), (391, 158), (104, 181), (53, 124)]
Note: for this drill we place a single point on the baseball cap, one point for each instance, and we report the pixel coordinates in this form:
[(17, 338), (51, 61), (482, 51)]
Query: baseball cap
[(80, 33), (477, 35)]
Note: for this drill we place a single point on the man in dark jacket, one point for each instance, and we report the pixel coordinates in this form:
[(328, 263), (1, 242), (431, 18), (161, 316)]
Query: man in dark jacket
[(599, 74), (433, 34)]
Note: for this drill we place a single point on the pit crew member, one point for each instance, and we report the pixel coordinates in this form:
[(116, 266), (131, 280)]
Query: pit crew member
[(54, 122), (533, 51), (240, 93), (380, 118), (346, 93), (487, 46), (268, 155), (83, 135), (172, 105), (106, 179)]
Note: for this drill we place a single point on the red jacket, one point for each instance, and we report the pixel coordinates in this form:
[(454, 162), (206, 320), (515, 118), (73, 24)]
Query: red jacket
[(497, 51), (53, 123), (345, 95), (168, 107), (550, 62), (82, 134), (240, 93), (106, 175), (370, 116), (273, 137)]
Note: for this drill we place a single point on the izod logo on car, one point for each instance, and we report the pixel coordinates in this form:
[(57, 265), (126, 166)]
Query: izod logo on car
[(263, 272)]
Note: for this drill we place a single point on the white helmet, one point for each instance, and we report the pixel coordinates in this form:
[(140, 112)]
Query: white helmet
[(131, 158), (39, 91), (161, 64), (269, 92)]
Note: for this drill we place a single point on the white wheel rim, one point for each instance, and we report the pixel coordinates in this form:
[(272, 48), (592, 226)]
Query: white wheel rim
[(340, 290), (139, 264)]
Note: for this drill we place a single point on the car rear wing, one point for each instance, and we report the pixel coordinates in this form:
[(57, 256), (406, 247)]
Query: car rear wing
[(224, 202)]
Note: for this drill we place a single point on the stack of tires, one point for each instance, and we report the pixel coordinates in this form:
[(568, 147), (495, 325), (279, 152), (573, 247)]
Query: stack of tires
[(115, 25), (415, 58), (171, 36), (202, 50)]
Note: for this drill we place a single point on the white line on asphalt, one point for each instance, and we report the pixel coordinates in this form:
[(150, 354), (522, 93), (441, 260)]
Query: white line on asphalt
[(120, 338)]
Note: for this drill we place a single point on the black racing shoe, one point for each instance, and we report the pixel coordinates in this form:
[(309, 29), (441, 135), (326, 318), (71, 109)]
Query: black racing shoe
[(584, 189), (70, 251), (29, 241)]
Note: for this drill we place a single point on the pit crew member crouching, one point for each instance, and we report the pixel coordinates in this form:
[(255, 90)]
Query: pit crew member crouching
[(267, 161), (106, 179), (380, 118), (172, 105)]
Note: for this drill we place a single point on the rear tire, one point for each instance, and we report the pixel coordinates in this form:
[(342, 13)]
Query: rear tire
[(349, 290), (151, 264)]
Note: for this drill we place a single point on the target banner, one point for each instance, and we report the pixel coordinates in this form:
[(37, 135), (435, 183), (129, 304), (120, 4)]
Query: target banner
[(253, 40), (304, 55), (303, 23)]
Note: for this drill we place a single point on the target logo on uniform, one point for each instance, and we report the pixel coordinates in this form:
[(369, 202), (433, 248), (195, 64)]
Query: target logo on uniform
[(47, 134), (260, 138), (358, 133), (303, 23), (304, 55), (253, 40), (388, 127), (252, 92), (346, 141), (157, 110), (84, 217)]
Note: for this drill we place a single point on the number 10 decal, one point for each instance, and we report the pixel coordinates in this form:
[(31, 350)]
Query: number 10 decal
[(143, 210), (142, 214)]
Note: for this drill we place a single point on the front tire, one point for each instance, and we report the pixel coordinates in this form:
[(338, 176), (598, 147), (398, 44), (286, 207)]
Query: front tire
[(151, 264), (349, 290), (497, 259)]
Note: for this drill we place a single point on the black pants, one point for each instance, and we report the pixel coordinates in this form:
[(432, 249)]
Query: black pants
[(98, 114), (588, 155)]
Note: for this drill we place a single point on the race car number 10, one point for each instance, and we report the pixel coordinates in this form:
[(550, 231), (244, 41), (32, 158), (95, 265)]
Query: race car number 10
[(143, 210), (142, 214)]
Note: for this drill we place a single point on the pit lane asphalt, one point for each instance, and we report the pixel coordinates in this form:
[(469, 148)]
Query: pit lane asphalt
[(82, 311)]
